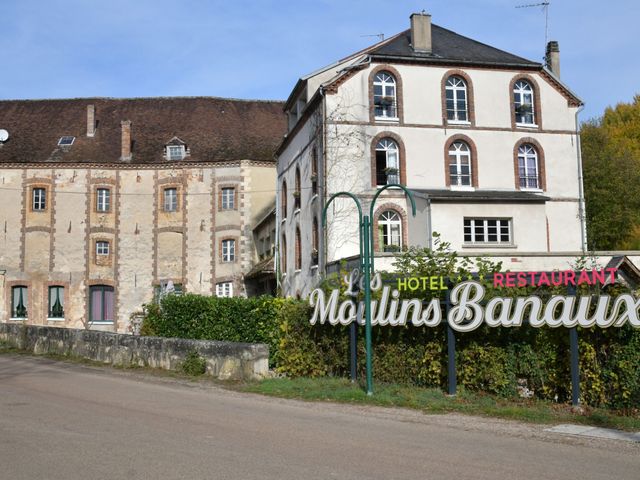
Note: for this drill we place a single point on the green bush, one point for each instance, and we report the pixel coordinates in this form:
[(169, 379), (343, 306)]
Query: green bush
[(193, 364)]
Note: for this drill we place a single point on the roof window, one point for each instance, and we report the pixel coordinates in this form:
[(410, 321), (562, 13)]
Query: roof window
[(66, 141)]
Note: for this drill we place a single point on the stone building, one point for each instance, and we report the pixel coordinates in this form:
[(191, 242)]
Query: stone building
[(487, 141), (106, 201)]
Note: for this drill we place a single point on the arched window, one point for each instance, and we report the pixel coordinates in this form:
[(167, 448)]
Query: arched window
[(296, 192), (384, 96), (459, 164), (523, 102), (314, 170), (283, 199), (283, 254), (456, 99), (315, 243), (528, 167), (298, 250), (387, 162), (390, 231)]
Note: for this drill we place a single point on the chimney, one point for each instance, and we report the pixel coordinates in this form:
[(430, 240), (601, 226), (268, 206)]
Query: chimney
[(91, 120), (552, 58), (421, 32), (126, 140)]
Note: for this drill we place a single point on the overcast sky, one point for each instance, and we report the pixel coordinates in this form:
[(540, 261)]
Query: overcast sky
[(258, 48)]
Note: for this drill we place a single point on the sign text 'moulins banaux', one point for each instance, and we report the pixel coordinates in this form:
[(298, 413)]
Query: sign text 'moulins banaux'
[(468, 311)]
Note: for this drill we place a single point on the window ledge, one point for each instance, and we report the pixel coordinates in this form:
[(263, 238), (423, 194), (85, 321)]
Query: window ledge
[(315, 196), (55, 319), (296, 211), (532, 190), (100, 323), (462, 188), (489, 245), (527, 125), (18, 319), (297, 271), (314, 267), (283, 220), (388, 119), (459, 123)]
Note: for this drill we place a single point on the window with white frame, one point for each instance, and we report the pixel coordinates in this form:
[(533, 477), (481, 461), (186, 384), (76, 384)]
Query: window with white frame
[(523, 103), (56, 302), (387, 162), (390, 231), (528, 169), (19, 301), (224, 289), (384, 96), (456, 99), (488, 230), (228, 196), (175, 152), (102, 247), (103, 199), (460, 164), (39, 200), (170, 203), (228, 250)]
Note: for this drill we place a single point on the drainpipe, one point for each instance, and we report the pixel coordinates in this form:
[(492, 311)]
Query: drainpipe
[(581, 203), (429, 232), (322, 252)]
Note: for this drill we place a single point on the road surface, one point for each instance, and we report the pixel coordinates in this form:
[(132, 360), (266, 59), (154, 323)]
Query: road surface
[(69, 421)]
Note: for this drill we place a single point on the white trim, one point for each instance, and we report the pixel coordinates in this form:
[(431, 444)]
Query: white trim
[(100, 323), (527, 125), (55, 319), (18, 319)]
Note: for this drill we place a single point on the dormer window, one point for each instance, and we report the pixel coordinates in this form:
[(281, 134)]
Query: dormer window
[(66, 141), (176, 149)]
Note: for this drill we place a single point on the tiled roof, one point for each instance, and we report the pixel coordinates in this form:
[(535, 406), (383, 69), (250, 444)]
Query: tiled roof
[(448, 46), (214, 129)]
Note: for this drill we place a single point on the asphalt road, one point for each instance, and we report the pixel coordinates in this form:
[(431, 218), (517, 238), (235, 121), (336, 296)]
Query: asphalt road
[(66, 421)]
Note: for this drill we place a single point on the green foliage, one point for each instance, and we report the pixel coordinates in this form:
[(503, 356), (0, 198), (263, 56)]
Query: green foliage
[(193, 365), (611, 164)]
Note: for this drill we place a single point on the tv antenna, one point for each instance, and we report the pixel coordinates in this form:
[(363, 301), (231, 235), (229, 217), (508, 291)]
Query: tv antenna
[(545, 8), (379, 35)]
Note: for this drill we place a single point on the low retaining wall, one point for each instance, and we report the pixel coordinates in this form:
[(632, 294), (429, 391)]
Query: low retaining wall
[(225, 360)]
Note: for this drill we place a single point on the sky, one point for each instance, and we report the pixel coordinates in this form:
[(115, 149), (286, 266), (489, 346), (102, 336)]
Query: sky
[(259, 48)]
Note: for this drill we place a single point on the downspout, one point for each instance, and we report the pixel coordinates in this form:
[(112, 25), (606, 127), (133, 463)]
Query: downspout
[(323, 261), (429, 232), (581, 202)]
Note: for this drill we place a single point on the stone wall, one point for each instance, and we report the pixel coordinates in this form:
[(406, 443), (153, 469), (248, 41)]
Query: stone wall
[(225, 360)]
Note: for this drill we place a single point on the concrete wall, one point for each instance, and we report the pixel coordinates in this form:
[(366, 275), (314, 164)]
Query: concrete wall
[(225, 360)]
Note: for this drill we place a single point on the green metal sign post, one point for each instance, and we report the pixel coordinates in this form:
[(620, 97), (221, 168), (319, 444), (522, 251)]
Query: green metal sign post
[(367, 254)]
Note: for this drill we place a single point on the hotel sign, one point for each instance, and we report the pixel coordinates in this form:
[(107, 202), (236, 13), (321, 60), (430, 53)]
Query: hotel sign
[(469, 310)]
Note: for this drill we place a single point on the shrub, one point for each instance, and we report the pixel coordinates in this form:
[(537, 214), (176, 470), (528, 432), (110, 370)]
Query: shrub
[(193, 364)]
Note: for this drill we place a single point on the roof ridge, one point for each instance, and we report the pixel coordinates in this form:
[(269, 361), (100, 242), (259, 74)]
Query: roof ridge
[(194, 97)]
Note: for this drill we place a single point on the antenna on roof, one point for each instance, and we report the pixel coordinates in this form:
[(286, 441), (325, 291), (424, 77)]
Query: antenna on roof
[(545, 9), (379, 35)]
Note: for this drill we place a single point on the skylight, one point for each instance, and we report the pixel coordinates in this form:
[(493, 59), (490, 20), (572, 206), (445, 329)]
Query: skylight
[(66, 141)]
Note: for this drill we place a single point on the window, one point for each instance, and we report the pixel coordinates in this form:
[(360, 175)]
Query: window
[(170, 199), (103, 199), (387, 162), (224, 289), (390, 231), (298, 250), (459, 164), (523, 103), (314, 171), (228, 250), (528, 171), (384, 96), (39, 199), (283, 200), (283, 254), (166, 288), (101, 303), (102, 247), (314, 243), (56, 302), (175, 152), (66, 141), (296, 193), (487, 230), (228, 196), (456, 99), (19, 301)]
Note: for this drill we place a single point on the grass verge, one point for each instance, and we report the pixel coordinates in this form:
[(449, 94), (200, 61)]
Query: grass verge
[(435, 401)]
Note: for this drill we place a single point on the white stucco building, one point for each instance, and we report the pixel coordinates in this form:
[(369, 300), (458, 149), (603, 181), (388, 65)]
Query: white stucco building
[(485, 139)]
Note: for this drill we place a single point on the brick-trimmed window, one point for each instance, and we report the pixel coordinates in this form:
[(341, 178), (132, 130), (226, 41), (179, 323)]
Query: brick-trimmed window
[(19, 301), (315, 242), (283, 199), (385, 95), (314, 170), (296, 193), (228, 198), (387, 162), (101, 303), (102, 248), (56, 302), (460, 162), (103, 199), (170, 199), (298, 252), (525, 102), (529, 165), (224, 289), (456, 99), (38, 199), (228, 250), (488, 231), (389, 231)]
